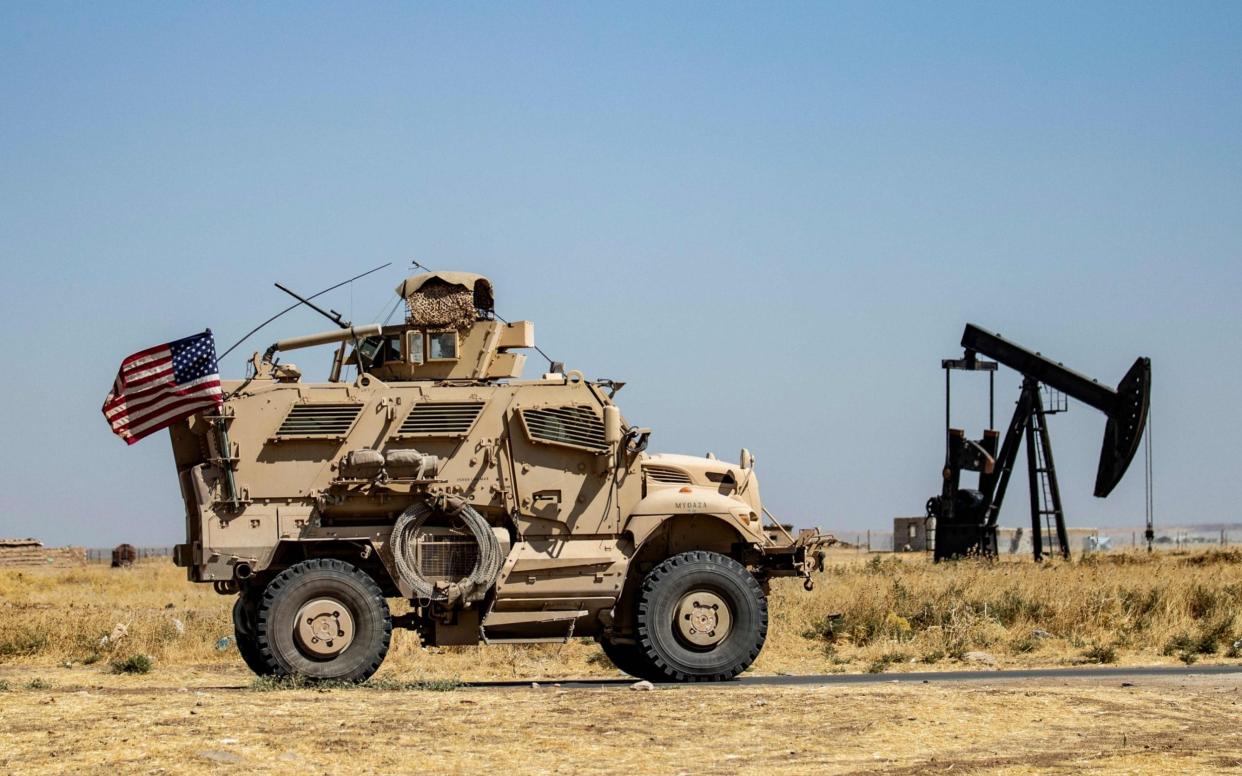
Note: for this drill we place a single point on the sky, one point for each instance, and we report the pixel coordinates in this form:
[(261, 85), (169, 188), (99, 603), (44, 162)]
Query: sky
[(770, 219)]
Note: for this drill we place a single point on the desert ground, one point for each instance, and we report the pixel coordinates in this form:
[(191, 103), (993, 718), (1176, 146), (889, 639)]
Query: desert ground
[(167, 694), (212, 720)]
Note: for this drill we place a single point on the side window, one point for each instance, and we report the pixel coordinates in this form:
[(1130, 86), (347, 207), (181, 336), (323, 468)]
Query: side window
[(414, 347), (376, 351), (442, 346)]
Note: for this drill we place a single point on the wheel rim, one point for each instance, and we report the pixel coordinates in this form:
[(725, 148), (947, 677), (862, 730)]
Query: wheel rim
[(324, 628), (702, 619)]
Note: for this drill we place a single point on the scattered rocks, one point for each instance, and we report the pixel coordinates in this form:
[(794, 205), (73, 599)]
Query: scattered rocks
[(223, 643), (217, 756), (119, 632), (980, 658), (1040, 633), (642, 686), (178, 626)]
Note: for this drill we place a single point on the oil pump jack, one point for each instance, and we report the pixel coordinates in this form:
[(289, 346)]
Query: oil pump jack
[(965, 519)]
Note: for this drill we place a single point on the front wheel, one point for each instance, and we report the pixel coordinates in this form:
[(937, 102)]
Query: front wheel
[(323, 619), (701, 617)]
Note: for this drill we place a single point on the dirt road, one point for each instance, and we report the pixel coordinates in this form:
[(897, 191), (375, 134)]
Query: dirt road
[(81, 720), (1087, 676)]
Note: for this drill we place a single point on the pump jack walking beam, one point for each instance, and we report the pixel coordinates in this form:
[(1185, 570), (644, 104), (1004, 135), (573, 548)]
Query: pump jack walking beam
[(1125, 407)]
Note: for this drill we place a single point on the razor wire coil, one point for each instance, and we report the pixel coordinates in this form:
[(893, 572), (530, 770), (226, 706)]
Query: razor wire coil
[(404, 532)]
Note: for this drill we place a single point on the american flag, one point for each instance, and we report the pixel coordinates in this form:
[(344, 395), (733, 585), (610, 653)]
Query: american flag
[(158, 386)]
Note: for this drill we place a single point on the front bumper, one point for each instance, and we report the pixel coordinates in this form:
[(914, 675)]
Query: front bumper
[(797, 558)]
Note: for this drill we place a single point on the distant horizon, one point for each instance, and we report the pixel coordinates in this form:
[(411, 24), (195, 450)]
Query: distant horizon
[(1204, 528)]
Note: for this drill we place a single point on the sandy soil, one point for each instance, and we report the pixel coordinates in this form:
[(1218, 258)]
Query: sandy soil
[(83, 720)]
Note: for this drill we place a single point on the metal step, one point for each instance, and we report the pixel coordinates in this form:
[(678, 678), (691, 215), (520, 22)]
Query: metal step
[(495, 618)]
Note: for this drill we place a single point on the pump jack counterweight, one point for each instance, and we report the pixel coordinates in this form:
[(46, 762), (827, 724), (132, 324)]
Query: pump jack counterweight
[(966, 519)]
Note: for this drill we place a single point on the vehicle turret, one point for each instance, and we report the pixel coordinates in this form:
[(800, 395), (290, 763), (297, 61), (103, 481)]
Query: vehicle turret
[(450, 332)]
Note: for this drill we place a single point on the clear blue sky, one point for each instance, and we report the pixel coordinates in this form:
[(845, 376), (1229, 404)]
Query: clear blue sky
[(772, 220)]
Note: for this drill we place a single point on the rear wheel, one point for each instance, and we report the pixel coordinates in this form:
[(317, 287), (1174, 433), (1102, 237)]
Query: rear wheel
[(243, 632), (323, 619), (701, 617), (628, 658)]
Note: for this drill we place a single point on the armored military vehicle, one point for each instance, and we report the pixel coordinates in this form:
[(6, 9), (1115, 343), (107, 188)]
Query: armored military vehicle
[(502, 510)]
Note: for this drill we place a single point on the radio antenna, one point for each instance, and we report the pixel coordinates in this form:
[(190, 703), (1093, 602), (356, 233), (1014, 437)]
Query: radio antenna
[(299, 303)]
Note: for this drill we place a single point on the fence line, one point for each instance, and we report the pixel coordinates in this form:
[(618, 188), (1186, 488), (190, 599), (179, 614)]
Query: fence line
[(104, 554), (1089, 540)]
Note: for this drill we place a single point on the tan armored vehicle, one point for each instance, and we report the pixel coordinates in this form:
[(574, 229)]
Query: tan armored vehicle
[(502, 510)]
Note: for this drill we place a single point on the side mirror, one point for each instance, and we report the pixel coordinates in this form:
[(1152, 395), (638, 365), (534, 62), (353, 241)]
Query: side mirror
[(612, 425), (746, 460)]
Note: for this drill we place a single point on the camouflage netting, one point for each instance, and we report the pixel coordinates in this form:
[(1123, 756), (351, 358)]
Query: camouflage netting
[(440, 304)]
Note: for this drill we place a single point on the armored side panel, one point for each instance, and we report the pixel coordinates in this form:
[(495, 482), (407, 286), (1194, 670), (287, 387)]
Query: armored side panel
[(533, 452)]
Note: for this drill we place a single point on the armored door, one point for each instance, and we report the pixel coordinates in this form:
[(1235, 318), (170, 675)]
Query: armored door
[(561, 464)]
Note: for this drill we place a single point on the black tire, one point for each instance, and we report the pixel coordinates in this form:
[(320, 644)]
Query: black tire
[(243, 633), (677, 584), (628, 659), (362, 605)]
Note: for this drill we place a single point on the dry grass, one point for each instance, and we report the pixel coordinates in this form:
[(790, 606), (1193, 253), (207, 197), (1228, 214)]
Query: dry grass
[(895, 612), (903, 610), (84, 721), (70, 705)]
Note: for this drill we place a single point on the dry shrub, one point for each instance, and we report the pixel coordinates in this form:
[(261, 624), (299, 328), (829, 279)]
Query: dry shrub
[(134, 664), (1123, 606), (865, 612)]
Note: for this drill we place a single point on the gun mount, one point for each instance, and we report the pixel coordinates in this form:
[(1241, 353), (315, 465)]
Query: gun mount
[(966, 518)]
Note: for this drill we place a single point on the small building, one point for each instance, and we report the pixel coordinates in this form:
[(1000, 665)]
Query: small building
[(910, 534)]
